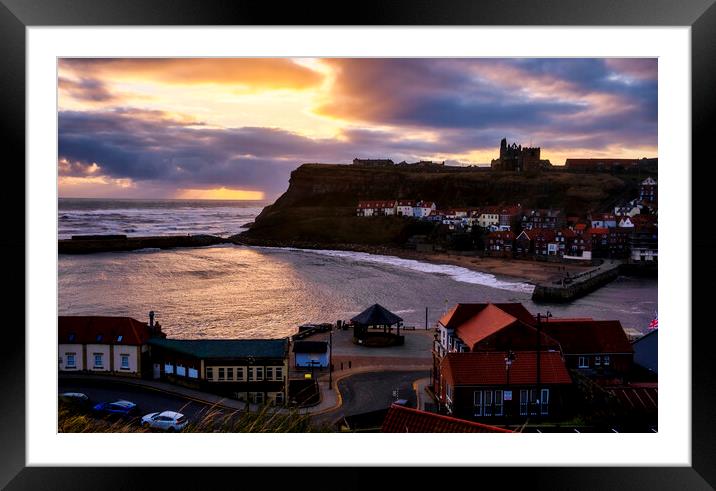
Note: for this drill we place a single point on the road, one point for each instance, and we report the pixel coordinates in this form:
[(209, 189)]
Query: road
[(147, 400), (365, 392)]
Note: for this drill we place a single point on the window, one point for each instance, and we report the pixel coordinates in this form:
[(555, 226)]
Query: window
[(70, 360), (487, 403), (607, 360), (222, 374), (259, 373), (597, 361), (524, 402), (499, 407), (240, 373), (259, 398), (477, 400), (193, 373), (124, 362), (230, 373), (583, 362), (71, 337), (98, 360), (99, 338), (544, 402), (278, 373), (269, 373), (181, 370), (119, 338), (168, 368), (251, 374), (209, 373)]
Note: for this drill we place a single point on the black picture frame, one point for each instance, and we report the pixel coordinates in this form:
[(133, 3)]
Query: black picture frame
[(16, 15)]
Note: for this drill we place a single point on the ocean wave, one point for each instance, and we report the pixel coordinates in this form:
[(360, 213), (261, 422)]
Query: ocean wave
[(457, 273)]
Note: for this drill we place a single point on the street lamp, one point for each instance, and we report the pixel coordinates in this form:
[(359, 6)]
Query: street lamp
[(539, 353)]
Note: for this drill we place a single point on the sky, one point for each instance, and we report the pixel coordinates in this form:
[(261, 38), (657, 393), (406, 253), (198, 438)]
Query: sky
[(235, 128)]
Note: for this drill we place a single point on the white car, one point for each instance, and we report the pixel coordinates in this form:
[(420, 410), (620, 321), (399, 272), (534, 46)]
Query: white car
[(166, 420)]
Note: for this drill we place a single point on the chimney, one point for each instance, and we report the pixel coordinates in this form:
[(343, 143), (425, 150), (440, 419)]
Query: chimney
[(151, 319)]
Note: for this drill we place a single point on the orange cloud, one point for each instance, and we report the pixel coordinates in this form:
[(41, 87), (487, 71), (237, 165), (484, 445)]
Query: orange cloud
[(267, 73)]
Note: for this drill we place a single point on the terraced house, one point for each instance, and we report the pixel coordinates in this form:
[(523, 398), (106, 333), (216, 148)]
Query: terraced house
[(105, 345), (250, 370)]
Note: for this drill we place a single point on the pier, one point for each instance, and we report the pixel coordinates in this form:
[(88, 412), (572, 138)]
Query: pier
[(569, 288), (88, 244)]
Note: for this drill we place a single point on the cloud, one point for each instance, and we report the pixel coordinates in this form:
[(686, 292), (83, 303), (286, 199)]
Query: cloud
[(265, 73), (86, 89)]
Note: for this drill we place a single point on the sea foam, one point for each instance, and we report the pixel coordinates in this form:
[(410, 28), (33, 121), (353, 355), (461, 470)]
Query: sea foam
[(457, 273)]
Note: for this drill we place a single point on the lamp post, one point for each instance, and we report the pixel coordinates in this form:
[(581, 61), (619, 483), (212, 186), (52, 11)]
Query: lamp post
[(539, 364)]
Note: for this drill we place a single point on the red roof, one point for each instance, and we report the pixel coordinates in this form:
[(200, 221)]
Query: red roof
[(588, 336), (102, 330), (546, 235), (568, 233), (376, 204), (502, 234), (488, 368), (598, 231), (463, 312), (580, 226), (401, 419), (403, 202)]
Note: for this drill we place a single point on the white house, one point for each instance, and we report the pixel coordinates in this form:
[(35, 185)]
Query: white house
[(113, 345), (404, 208), (375, 208), (488, 218), (423, 209), (625, 222)]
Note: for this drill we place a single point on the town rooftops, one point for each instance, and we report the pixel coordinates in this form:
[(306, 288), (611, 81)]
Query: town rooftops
[(102, 330), (225, 348), (588, 336), (376, 204), (401, 419), (310, 347), (376, 315), (463, 312), (488, 368)]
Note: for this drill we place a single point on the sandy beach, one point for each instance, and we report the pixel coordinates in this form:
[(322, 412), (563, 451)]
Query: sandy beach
[(520, 269)]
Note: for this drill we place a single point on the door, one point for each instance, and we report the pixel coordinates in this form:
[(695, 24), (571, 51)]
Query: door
[(157, 371)]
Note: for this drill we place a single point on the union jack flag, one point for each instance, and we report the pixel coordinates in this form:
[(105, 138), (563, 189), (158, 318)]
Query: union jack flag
[(655, 323)]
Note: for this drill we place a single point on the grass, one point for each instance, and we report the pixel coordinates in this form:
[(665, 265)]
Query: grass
[(214, 420)]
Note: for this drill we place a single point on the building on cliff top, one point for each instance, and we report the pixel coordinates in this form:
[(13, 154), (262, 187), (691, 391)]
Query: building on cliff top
[(517, 158)]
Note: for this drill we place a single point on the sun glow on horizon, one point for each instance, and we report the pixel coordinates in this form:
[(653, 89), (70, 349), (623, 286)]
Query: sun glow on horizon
[(221, 194)]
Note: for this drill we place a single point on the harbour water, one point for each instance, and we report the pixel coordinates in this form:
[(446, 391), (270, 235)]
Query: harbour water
[(234, 291)]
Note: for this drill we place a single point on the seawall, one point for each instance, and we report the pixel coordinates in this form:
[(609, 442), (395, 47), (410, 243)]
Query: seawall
[(98, 243), (578, 286)]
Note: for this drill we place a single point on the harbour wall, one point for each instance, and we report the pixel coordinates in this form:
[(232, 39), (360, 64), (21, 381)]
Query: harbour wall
[(575, 287)]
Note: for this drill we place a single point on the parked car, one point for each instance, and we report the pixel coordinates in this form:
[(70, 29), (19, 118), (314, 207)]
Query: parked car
[(165, 420), (75, 399), (116, 408)]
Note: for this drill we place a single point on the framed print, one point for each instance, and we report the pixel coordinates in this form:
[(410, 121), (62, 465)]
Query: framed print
[(287, 238)]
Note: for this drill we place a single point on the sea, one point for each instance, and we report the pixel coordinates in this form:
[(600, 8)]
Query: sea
[(231, 291)]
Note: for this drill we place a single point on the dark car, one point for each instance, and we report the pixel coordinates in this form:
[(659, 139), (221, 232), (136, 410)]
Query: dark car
[(116, 408), (74, 400)]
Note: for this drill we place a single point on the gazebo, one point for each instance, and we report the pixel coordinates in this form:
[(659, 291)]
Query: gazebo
[(376, 317)]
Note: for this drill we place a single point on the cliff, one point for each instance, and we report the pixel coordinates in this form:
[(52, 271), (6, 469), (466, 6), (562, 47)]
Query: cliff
[(320, 203)]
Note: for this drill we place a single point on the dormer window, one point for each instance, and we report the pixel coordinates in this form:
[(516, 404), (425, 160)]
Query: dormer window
[(99, 338), (71, 337), (119, 338)]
